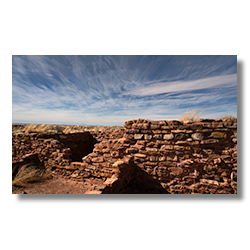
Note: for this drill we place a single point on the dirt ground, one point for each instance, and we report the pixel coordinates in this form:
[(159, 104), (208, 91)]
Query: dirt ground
[(53, 186)]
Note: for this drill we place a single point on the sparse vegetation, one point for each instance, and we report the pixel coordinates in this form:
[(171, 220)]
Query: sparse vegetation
[(30, 173), (191, 115), (228, 117), (40, 128)]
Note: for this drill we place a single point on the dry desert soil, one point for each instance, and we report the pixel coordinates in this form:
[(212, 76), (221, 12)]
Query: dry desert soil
[(52, 186)]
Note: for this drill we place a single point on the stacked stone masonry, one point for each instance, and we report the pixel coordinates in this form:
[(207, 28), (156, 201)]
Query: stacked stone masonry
[(144, 157)]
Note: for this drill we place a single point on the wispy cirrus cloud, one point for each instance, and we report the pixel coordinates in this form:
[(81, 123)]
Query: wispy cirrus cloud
[(106, 90), (181, 86)]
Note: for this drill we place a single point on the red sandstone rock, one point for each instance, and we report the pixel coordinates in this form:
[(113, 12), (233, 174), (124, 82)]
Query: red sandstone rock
[(166, 147), (209, 141), (140, 155), (146, 131), (152, 149), (97, 159), (140, 126), (138, 136), (218, 135), (168, 136), (147, 137), (197, 136), (129, 136), (129, 122)]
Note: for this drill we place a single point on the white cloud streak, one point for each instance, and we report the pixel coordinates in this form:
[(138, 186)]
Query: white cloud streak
[(179, 86)]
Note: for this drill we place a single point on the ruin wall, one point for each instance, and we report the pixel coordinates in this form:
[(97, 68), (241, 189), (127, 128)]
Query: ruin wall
[(156, 156), (194, 157)]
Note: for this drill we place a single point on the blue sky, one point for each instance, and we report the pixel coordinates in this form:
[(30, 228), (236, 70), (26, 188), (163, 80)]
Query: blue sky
[(109, 90)]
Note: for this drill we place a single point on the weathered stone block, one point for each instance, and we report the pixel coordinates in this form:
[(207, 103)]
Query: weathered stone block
[(162, 158), (152, 149), (120, 164), (214, 125), (164, 131), (197, 136), (204, 130), (146, 131), (97, 151), (150, 152), (131, 150), (234, 140), (138, 136), (167, 127), (132, 131), (181, 143), (129, 136), (222, 129), (76, 165), (218, 135), (140, 126), (129, 122), (158, 122), (150, 163), (209, 182), (141, 142), (176, 147), (154, 126), (157, 136), (152, 144), (157, 131), (106, 150), (168, 164), (233, 126), (140, 155), (147, 137), (195, 127), (153, 158), (217, 161), (106, 155), (166, 147), (197, 143), (110, 181), (178, 131), (97, 159), (162, 123), (90, 167), (143, 152), (138, 146), (128, 126), (168, 136)]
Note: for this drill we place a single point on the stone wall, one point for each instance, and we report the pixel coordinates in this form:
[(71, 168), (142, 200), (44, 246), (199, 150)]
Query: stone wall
[(52, 148), (144, 157), (195, 157)]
